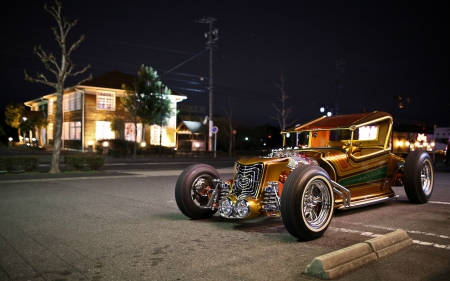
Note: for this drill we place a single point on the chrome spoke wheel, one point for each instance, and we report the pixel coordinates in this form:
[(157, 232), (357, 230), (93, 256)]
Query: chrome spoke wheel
[(194, 189), (316, 203), (426, 177), (307, 202), (201, 190)]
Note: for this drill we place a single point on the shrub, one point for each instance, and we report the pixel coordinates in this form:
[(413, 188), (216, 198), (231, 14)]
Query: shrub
[(77, 162), (93, 162), (19, 163)]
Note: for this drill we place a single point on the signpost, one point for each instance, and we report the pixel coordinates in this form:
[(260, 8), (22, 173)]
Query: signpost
[(214, 130)]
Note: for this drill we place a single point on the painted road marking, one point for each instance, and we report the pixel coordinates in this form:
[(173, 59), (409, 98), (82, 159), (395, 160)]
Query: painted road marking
[(419, 242)]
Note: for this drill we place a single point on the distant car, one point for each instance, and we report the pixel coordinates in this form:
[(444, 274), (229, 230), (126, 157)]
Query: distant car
[(346, 162)]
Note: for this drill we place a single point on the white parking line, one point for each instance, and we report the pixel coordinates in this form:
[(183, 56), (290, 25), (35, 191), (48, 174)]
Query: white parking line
[(371, 234), (438, 202)]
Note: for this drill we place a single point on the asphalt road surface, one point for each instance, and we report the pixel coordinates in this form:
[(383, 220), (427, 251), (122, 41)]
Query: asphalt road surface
[(125, 225)]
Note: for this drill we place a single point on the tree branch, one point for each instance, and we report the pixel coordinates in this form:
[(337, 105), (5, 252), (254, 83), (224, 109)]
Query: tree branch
[(42, 80)]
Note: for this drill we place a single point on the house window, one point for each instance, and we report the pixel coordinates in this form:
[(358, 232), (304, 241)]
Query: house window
[(106, 100), (157, 135), (72, 130), (50, 107), (103, 130), (72, 101), (129, 132), (50, 131)]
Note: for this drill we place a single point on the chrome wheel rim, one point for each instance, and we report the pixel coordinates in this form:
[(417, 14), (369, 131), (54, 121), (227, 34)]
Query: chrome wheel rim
[(426, 177), (316, 205), (201, 190)]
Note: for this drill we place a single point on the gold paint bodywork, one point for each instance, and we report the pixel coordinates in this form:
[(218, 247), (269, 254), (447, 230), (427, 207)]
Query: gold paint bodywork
[(367, 168)]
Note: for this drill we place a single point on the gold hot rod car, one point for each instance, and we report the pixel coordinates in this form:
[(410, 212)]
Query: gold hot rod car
[(346, 162)]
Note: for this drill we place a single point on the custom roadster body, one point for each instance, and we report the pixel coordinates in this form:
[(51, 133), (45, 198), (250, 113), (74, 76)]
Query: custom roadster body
[(345, 162)]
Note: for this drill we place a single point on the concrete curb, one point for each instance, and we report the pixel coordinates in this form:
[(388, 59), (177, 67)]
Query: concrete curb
[(340, 262), (390, 243)]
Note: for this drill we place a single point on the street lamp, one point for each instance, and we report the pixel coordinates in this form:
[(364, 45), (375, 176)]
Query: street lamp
[(328, 110)]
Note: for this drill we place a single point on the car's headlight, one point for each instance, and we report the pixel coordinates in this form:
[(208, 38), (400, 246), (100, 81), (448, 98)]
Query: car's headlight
[(242, 208), (226, 206)]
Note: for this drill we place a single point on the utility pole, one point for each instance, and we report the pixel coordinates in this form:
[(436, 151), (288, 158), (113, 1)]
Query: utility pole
[(212, 36)]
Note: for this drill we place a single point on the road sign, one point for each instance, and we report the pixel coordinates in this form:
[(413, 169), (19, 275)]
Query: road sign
[(214, 129)]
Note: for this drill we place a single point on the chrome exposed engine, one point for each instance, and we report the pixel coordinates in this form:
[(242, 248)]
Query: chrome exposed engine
[(249, 194), (296, 157)]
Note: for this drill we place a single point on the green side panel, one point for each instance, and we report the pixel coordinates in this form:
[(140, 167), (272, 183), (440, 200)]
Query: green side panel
[(373, 175)]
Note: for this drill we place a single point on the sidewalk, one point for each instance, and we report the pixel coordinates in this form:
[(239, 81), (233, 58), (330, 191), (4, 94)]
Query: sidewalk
[(45, 158)]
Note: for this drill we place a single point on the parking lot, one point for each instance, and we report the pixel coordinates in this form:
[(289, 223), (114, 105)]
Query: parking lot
[(125, 225)]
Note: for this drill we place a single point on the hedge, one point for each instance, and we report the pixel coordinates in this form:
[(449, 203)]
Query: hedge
[(79, 162), (19, 163)]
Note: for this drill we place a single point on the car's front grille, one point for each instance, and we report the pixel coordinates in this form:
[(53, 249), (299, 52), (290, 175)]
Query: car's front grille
[(247, 179)]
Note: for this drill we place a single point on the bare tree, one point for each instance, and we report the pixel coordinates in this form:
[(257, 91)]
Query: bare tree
[(61, 69), (230, 125), (283, 112)]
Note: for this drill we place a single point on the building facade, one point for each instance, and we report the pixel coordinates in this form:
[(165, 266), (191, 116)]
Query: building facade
[(90, 108)]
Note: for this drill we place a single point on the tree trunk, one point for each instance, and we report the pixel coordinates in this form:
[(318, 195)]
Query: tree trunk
[(54, 168)]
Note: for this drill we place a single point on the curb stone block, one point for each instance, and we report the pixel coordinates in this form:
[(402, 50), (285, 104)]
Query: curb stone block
[(390, 243), (342, 261), (337, 263)]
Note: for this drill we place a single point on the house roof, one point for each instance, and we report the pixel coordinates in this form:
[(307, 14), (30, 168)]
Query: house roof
[(193, 126), (110, 80), (113, 80)]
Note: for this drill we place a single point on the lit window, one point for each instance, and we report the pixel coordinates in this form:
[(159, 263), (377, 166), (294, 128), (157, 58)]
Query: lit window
[(103, 130), (72, 130), (129, 132), (368, 133), (106, 100), (71, 102), (50, 107), (156, 134), (50, 131)]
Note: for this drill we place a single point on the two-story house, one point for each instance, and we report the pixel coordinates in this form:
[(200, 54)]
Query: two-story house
[(89, 109)]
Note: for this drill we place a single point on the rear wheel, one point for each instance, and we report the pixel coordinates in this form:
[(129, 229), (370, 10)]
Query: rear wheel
[(418, 177), (307, 202), (194, 189)]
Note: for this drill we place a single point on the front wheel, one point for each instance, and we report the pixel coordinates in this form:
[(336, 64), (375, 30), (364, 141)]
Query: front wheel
[(194, 189), (418, 177), (307, 202)]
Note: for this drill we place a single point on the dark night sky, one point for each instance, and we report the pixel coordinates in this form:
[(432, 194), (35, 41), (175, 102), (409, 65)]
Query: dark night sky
[(391, 48)]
